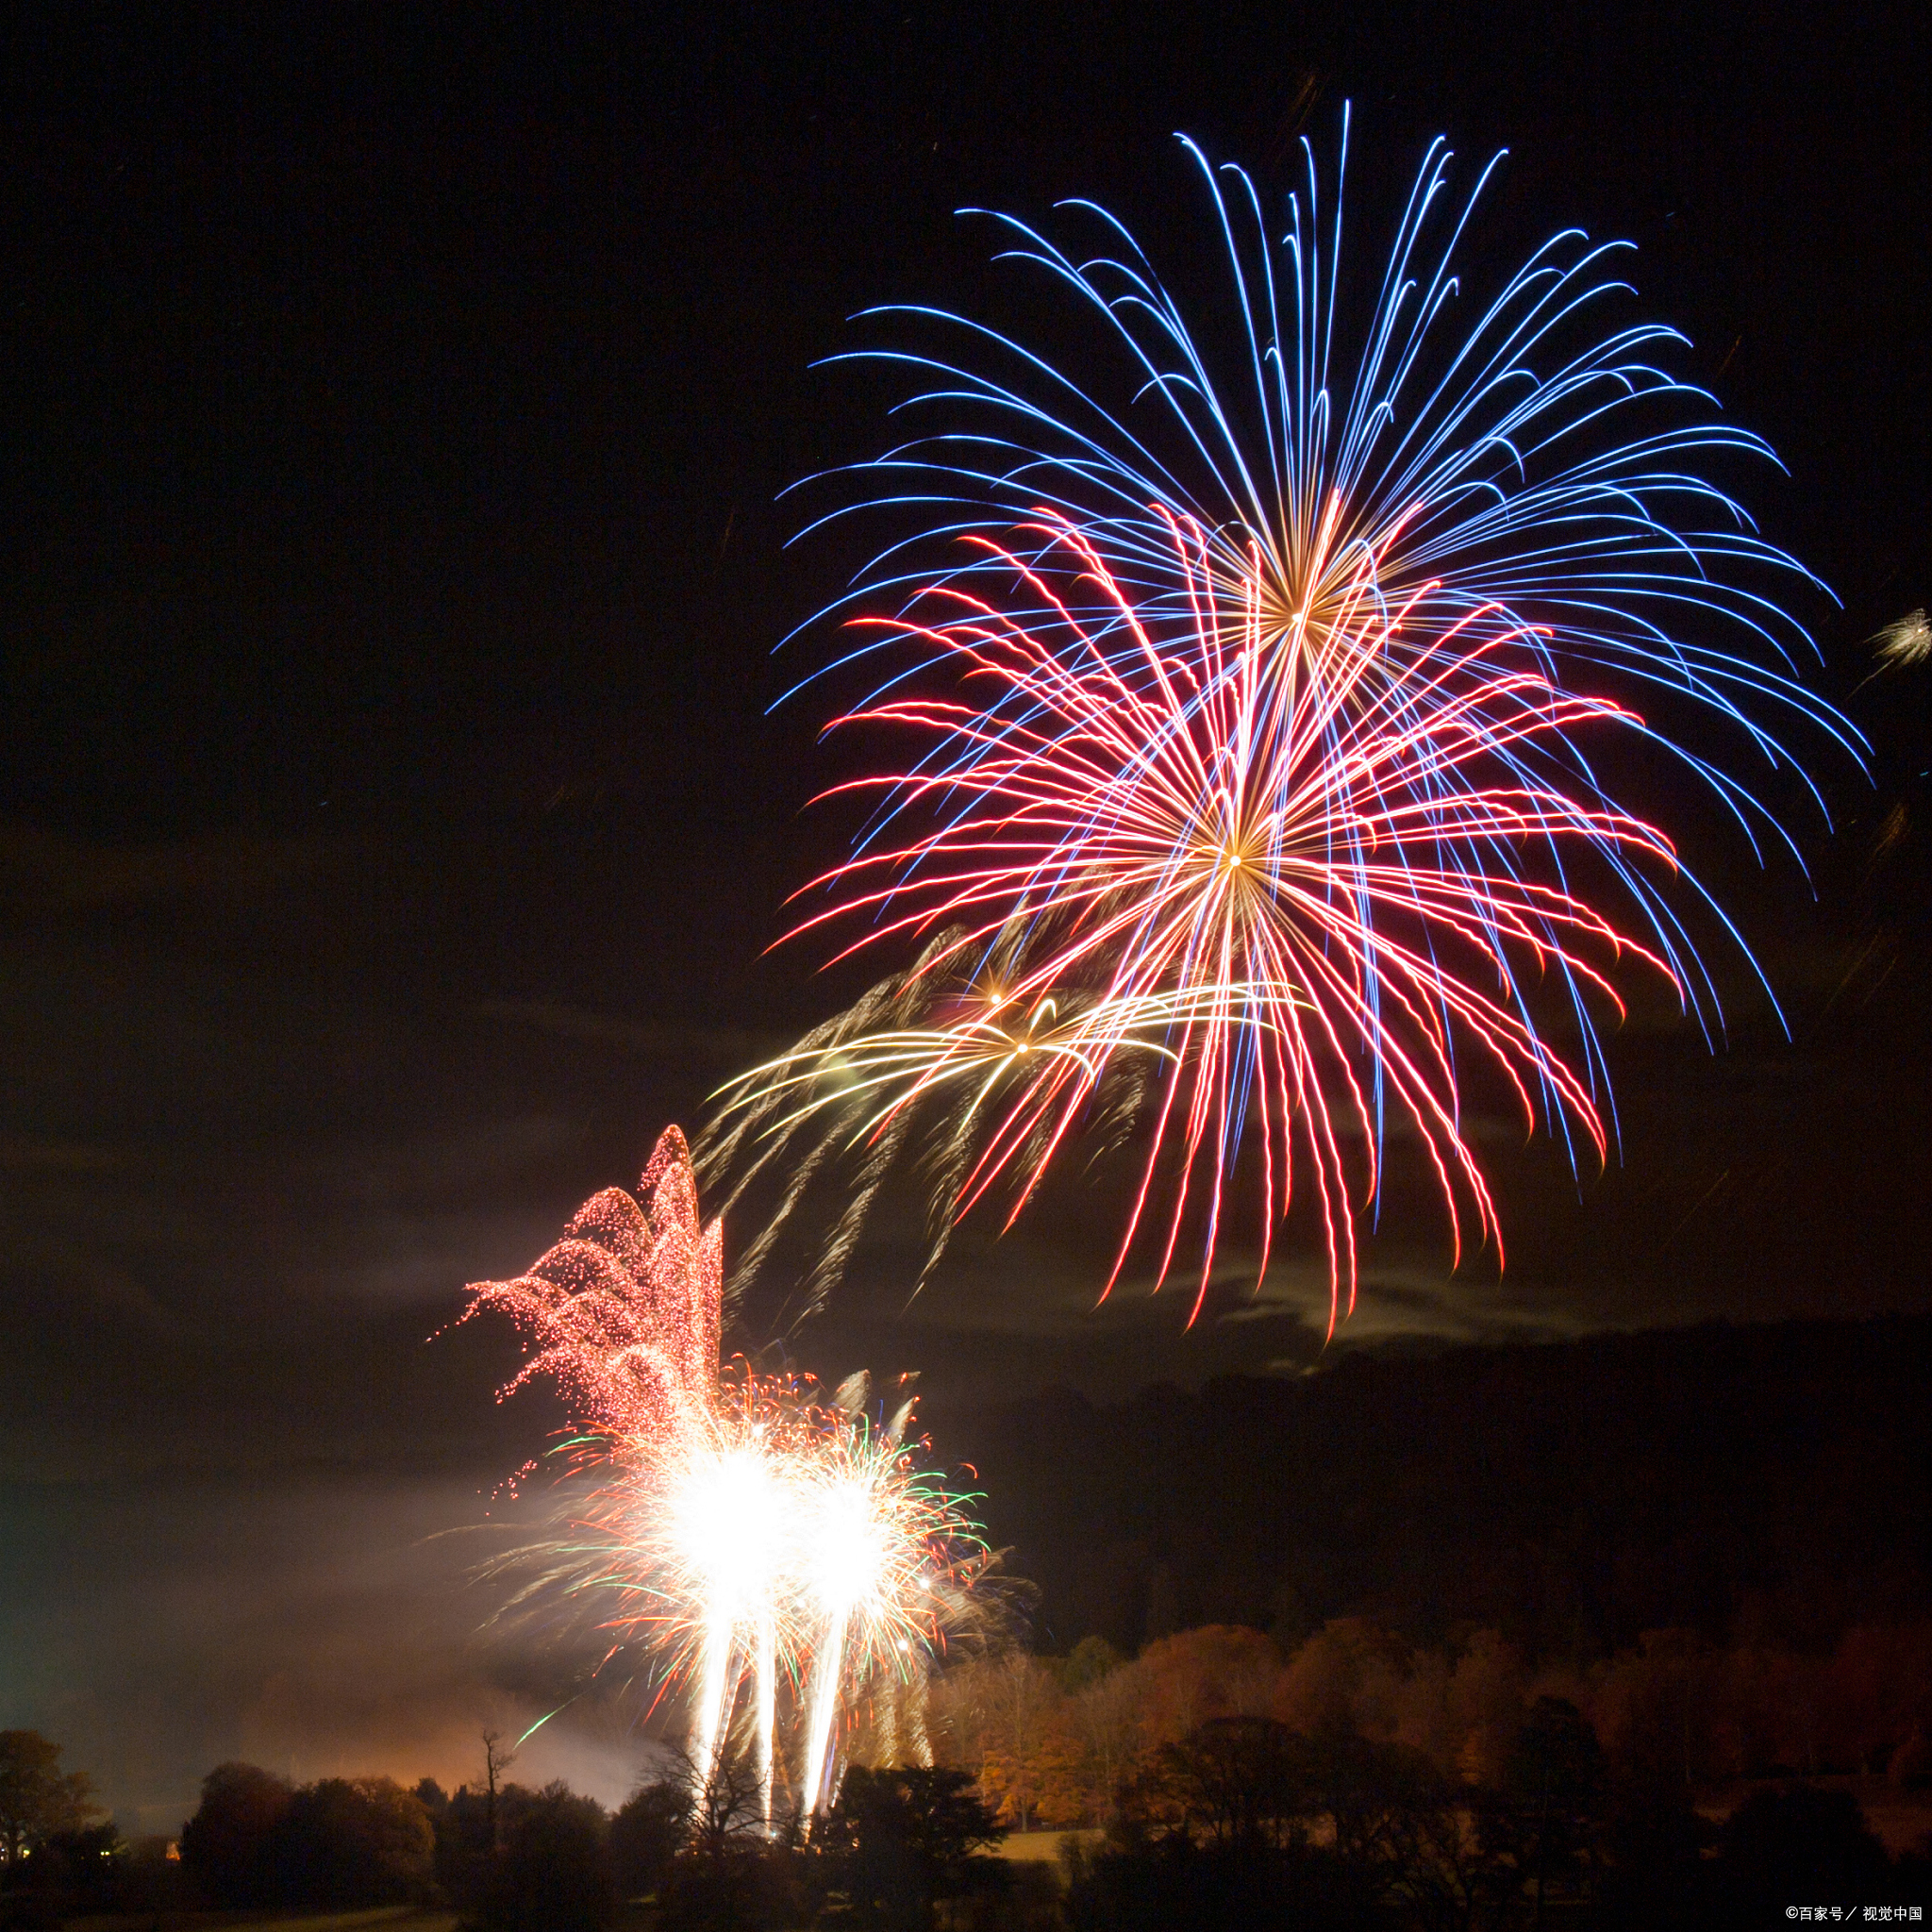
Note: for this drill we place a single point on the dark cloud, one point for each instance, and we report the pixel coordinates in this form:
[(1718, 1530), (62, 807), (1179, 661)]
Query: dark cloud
[(322, 1626)]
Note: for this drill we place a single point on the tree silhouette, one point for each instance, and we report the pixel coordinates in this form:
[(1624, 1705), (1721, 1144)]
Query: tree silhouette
[(496, 1760), (647, 1834), (229, 1843), (729, 1877), (37, 1799), (552, 1874), (898, 1843)]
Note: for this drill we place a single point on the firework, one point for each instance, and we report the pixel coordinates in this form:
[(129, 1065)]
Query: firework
[(1257, 723), (625, 1310), (751, 1535), (923, 1047), (1905, 642)]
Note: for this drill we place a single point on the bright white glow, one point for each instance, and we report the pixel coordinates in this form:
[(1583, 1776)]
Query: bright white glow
[(845, 1545), (729, 1515), (731, 1519), (828, 1669)]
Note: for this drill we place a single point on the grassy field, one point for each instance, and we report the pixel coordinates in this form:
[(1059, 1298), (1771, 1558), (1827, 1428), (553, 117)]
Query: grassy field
[(402, 1918), (1041, 1847), (405, 1918)]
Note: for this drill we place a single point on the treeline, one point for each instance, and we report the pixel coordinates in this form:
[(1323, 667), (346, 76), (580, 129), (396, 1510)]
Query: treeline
[(1757, 1485), (692, 1855), (57, 1850), (1245, 1822), (1208, 1783), (1050, 1741), (1362, 1781)]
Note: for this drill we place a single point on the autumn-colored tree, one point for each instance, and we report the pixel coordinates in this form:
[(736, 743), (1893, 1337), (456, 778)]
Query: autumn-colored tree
[(957, 1716), (37, 1798), (1195, 1676), (1347, 1677), (1422, 1721), (1877, 1689), (1485, 1707), (1007, 1722), (1041, 1786), (891, 1725), (1654, 1707), (1677, 1716), (1770, 1712), (1107, 1720), (228, 1842)]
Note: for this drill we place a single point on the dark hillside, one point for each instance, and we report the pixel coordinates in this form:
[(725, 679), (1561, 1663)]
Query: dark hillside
[(1764, 1481)]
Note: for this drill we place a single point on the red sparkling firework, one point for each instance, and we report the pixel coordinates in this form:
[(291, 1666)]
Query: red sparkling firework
[(623, 1312)]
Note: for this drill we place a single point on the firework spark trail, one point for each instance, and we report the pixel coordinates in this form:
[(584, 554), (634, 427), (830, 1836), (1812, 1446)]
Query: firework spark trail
[(821, 1707), (857, 1577), (798, 1540), (1280, 697), (1907, 641), (1214, 844), (866, 1083), (723, 1154), (625, 1310), (745, 1529)]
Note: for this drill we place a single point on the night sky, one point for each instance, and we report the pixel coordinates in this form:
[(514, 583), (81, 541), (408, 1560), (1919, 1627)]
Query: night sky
[(391, 824)]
